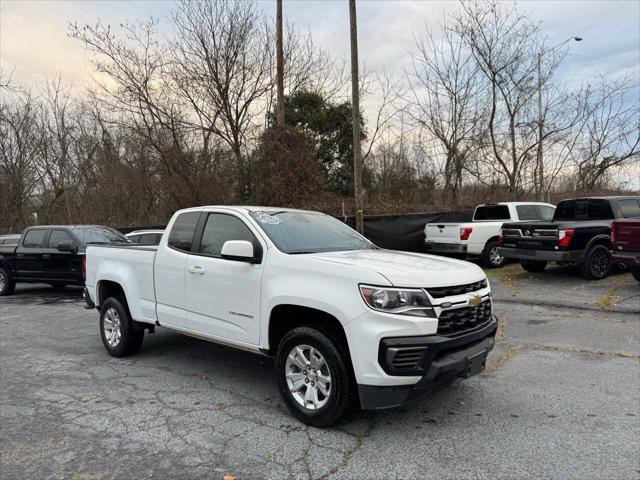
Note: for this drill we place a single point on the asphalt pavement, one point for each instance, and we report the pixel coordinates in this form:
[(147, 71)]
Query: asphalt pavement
[(560, 399)]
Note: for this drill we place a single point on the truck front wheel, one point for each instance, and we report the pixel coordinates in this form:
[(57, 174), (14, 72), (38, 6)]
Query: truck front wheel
[(314, 377), (116, 329), (7, 284)]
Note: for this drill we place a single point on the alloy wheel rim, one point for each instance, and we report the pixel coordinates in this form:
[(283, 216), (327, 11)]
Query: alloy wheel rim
[(3, 282), (599, 264), (112, 327), (308, 377), (495, 257)]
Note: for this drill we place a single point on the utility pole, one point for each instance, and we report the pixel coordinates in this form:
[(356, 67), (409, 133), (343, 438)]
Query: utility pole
[(355, 106), (280, 65)]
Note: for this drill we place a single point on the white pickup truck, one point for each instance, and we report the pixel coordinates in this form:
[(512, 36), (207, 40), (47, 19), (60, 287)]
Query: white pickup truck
[(480, 238), (347, 322)]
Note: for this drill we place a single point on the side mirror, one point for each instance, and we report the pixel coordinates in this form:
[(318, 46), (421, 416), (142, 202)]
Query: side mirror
[(65, 247), (238, 250)]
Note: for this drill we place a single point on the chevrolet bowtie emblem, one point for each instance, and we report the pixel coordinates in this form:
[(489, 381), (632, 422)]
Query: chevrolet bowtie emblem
[(475, 300)]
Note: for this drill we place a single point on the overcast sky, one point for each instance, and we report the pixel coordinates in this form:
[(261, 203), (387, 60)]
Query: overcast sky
[(34, 41)]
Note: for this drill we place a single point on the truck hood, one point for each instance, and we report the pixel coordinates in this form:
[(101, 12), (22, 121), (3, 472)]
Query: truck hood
[(405, 269)]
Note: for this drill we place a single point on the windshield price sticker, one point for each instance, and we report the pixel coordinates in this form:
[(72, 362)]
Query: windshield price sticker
[(265, 218)]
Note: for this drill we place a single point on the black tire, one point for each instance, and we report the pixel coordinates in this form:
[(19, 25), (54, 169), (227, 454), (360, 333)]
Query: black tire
[(490, 257), (597, 263), (130, 340), (7, 284), (343, 390), (533, 266), (635, 271)]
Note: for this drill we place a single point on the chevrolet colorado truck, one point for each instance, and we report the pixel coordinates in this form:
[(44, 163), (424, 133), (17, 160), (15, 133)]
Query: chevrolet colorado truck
[(625, 241), (579, 234), (479, 238), (52, 254), (346, 321)]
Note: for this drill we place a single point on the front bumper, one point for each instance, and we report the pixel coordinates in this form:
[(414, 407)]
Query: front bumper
[(445, 247), (569, 256), (443, 358)]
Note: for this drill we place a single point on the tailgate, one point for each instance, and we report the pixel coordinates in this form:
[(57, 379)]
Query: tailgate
[(627, 235), (442, 232), (535, 236)]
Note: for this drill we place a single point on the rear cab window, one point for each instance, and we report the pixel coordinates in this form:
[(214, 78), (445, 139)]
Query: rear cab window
[(34, 238), (183, 231), (584, 209), (492, 212)]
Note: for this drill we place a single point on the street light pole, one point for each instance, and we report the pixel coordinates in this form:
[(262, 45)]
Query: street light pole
[(540, 151), (355, 106)]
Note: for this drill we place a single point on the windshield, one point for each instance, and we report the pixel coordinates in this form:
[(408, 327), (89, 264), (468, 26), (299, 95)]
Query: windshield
[(309, 232), (98, 235)]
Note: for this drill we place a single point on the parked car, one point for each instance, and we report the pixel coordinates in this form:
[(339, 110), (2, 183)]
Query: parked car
[(9, 239), (347, 322), (625, 241), (479, 238), (145, 237), (580, 234), (52, 254)]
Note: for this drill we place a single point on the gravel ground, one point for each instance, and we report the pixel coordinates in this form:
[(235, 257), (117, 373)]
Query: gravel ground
[(560, 399)]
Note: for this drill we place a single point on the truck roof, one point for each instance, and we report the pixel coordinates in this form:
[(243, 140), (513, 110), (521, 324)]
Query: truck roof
[(604, 197), (247, 208), (513, 203), (64, 226)]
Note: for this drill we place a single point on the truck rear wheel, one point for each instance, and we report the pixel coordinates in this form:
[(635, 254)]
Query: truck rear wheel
[(116, 329), (597, 263), (533, 266), (314, 376), (490, 257), (635, 271), (7, 284)]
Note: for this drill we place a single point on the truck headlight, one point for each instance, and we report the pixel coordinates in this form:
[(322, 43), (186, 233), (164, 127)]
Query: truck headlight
[(401, 301)]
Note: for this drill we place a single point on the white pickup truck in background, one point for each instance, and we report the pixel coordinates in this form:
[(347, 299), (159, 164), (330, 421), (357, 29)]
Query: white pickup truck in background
[(480, 237), (348, 323)]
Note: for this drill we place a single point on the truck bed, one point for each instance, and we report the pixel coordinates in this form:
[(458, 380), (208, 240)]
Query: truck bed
[(135, 264)]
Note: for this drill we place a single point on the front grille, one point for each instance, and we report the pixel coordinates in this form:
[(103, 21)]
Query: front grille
[(457, 290), (466, 318)]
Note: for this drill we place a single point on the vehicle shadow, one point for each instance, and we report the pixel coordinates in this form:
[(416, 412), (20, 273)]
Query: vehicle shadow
[(40, 294)]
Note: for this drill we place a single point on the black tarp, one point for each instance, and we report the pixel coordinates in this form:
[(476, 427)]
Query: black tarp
[(406, 231), (395, 232)]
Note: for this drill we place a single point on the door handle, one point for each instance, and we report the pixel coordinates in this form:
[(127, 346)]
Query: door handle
[(46, 255), (196, 270), (20, 255)]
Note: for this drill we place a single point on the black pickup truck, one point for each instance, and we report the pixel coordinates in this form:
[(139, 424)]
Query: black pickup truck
[(579, 234), (52, 254)]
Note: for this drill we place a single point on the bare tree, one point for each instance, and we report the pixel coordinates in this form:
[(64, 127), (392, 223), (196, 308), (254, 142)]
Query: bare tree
[(447, 100), (610, 136), (506, 47)]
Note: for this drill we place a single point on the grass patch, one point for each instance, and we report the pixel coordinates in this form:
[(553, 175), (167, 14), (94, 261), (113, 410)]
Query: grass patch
[(608, 300)]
